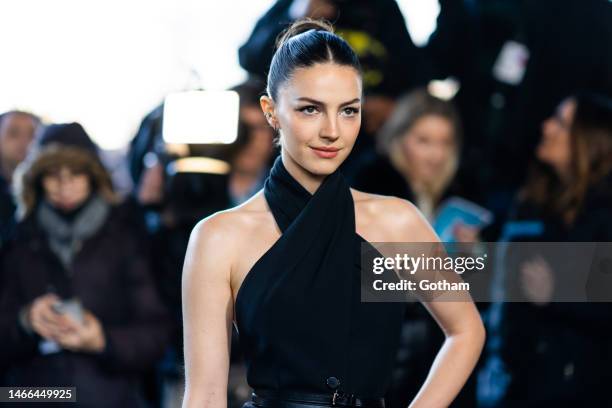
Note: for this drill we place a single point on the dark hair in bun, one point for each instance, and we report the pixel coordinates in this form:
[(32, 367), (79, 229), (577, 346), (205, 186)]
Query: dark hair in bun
[(305, 43)]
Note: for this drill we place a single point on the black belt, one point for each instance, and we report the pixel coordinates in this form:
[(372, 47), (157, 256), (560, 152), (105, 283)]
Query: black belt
[(290, 399)]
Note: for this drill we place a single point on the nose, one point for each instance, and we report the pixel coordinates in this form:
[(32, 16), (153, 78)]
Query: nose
[(330, 130), (64, 188)]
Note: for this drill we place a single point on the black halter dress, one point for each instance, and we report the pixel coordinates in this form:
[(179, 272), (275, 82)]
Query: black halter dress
[(305, 333)]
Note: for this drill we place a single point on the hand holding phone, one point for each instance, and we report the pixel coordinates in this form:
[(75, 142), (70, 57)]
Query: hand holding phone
[(87, 335)]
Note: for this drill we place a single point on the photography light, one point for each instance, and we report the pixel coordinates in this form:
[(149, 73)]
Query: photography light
[(201, 117)]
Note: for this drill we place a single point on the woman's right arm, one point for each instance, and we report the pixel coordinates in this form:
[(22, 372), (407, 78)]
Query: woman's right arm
[(207, 313)]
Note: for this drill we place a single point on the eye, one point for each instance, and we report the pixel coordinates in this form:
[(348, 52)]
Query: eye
[(309, 110), (350, 111), (422, 139)]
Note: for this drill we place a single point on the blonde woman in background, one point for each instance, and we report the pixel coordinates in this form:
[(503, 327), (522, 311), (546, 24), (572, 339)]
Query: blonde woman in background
[(418, 156)]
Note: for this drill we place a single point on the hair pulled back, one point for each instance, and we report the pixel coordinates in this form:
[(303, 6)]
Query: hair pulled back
[(305, 43)]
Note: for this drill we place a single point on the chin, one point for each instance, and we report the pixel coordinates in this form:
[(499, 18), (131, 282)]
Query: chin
[(67, 207), (323, 171), (324, 167)]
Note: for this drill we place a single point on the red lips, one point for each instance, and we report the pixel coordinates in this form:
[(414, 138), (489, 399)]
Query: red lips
[(327, 149), (326, 152)]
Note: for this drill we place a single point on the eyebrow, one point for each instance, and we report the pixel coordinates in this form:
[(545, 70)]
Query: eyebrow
[(315, 102)]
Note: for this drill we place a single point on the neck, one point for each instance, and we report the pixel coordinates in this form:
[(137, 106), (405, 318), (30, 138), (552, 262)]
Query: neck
[(309, 181)]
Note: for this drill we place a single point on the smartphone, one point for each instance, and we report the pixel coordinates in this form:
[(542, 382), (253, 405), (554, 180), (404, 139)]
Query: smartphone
[(71, 307)]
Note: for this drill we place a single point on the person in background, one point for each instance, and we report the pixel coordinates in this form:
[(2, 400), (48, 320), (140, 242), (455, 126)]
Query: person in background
[(79, 307), (378, 32), (514, 61), (418, 155), (563, 348), (17, 131)]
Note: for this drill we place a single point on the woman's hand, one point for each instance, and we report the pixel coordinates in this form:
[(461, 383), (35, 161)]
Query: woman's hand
[(467, 238), (63, 329), (41, 317), (466, 234), (85, 337), (537, 280)]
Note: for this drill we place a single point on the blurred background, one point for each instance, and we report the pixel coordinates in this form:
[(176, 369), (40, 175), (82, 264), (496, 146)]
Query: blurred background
[(123, 58), (494, 117)]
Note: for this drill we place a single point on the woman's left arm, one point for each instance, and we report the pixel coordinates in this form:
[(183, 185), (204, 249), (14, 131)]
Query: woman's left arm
[(459, 320), (465, 335)]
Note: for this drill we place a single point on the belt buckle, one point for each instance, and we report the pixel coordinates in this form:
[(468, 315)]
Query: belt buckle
[(334, 398), (350, 401)]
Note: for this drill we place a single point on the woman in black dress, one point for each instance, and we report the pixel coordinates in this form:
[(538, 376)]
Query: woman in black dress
[(284, 266)]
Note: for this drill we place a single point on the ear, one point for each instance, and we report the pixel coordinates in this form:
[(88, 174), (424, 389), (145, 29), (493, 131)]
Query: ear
[(267, 106)]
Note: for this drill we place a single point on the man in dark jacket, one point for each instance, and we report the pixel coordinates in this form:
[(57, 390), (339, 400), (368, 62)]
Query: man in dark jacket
[(17, 130)]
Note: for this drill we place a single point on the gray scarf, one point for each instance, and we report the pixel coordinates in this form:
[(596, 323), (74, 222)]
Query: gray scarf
[(66, 237)]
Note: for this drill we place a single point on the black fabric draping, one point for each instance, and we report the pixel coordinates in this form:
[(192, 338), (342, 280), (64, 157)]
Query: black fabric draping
[(299, 312)]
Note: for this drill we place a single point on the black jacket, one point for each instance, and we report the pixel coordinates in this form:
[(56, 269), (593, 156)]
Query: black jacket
[(386, 49), (7, 212)]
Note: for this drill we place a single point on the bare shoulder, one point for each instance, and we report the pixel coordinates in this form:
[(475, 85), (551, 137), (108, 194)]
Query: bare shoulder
[(228, 227), (393, 219)]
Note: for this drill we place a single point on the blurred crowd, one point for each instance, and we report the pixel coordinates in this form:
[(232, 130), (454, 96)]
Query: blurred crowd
[(90, 279)]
